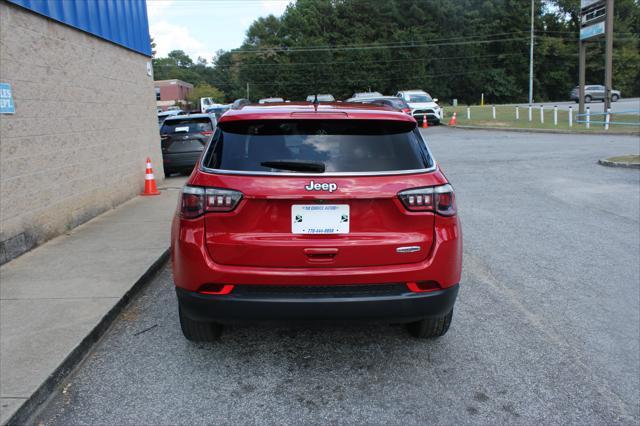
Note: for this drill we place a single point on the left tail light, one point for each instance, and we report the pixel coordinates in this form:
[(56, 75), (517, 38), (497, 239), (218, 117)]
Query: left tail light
[(439, 199), (197, 201)]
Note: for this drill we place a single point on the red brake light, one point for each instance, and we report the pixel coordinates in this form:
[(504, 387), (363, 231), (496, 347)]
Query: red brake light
[(197, 201), (192, 203), (440, 199), (206, 133), (446, 203)]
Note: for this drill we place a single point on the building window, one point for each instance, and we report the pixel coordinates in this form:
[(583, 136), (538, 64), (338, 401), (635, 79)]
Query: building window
[(157, 93)]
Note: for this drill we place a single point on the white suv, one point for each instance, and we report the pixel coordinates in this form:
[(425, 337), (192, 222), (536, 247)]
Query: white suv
[(422, 105)]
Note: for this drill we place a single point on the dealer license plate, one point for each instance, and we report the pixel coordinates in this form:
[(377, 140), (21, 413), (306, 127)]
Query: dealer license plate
[(320, 219)]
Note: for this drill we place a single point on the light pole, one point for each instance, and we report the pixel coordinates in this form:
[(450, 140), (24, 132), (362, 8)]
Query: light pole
[(531, 57)]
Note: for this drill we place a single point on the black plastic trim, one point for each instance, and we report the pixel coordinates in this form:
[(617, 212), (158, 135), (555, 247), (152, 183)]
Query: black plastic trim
[(238, 307)]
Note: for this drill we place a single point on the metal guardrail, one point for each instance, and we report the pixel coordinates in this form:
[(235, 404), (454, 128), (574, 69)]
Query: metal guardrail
[(607, 121)]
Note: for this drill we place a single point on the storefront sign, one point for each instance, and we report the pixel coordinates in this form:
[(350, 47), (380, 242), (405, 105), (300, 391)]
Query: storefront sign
[(592, 31), (6, 99)]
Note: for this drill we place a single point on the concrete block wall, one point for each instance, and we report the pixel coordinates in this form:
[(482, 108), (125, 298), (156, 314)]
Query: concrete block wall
[(85, 122)]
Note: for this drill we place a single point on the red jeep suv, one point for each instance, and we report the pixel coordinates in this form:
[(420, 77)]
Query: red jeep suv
[(316, 212)]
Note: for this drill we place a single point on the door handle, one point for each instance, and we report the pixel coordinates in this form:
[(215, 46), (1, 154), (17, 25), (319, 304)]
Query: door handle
[(321, 254)]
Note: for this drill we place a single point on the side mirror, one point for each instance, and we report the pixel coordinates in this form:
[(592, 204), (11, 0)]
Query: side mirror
[(435, 99)]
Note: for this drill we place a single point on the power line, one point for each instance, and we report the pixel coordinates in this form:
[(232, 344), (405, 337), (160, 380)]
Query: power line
[(364, 80), (330, 63), (374, 47)]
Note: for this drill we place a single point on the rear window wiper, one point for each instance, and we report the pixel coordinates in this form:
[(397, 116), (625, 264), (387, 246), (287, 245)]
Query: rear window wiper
[(295, 166)]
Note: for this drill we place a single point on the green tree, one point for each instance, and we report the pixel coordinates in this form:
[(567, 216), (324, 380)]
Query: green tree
[(452, 49), (205, 91)]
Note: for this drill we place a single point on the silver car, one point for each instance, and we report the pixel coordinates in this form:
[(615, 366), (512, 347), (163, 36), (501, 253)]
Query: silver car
[(593, 92)]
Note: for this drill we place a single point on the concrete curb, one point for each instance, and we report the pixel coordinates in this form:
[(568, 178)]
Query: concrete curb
[(551, 131), (608, 163), (46, 389)]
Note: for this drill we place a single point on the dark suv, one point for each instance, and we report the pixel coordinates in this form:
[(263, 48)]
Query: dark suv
[(183, 138)]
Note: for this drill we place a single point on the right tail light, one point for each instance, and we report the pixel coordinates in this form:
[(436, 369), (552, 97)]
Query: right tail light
[(197, 201), (440, 199)]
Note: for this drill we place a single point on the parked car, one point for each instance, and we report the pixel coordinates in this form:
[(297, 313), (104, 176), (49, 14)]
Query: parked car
[(293, 214), (182, 138), (270, 100), (389, 101), (366, 95), (422, 105), (321, 98), (239, 103), (594, 92), (218, 110), (162, 115)]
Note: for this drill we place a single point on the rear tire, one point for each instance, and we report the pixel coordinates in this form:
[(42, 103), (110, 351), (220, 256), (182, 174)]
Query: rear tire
[(430, 327), (614, 98), (198, 331), (587, 99)]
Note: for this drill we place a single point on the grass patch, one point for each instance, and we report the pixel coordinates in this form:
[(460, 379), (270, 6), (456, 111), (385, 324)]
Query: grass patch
[(482, 116)]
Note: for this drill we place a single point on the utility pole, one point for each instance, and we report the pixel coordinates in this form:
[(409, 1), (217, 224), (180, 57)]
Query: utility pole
[(582, 61), (531, 57), (248, 91), (608, 54)]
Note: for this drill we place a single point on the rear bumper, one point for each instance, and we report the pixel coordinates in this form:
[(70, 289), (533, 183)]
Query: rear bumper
[(193, 267), (180, 161), (232, 308)]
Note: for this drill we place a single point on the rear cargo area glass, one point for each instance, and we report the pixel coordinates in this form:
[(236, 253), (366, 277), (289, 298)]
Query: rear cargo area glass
[(341, 145), (188, 125)]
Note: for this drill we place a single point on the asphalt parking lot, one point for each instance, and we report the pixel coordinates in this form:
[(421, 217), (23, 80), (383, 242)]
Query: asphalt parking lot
[(545, 329)]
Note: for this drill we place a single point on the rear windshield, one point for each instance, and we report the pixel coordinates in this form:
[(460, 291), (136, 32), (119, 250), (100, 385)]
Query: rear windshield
[(339, 145), (420, 98), (188, 125), (395, 103)]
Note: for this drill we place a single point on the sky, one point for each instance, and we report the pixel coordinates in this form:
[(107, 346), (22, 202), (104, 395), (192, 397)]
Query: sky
[(202, 27)]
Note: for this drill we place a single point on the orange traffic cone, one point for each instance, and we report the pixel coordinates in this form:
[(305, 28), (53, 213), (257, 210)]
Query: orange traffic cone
[(425, 125), (150, 187), (452, 122)]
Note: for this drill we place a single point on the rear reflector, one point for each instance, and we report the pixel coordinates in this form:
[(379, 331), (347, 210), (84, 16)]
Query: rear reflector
[(215, 289), (423, 286)]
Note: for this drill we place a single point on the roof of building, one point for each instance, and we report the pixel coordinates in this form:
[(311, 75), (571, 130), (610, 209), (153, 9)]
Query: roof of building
[(173, 81), (120, 22)]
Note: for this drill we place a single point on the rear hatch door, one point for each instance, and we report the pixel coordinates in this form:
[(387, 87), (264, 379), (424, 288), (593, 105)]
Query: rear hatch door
[(347, 216)]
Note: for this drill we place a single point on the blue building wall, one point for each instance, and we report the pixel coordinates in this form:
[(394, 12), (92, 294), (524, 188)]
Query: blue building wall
[(123, 22)]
